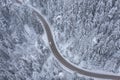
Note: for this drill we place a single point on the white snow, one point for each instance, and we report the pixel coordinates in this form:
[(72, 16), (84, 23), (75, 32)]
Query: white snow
[(83, 64), (23, 1), (58, 19), (95, 40), (44, 37), (61, 74), (27, 28)]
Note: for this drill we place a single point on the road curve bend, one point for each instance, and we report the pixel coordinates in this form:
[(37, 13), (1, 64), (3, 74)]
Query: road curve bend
[(61, 59)]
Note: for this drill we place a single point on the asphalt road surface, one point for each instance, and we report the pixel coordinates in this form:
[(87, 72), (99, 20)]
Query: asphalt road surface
[(62, 60)]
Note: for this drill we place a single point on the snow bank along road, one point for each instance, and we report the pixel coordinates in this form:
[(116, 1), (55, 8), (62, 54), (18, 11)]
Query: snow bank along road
[(61, 59)]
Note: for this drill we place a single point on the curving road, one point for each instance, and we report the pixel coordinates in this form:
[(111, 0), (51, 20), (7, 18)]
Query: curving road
[(61, 59)]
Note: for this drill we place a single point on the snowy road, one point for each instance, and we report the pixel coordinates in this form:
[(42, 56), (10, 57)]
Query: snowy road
[(61, 59)]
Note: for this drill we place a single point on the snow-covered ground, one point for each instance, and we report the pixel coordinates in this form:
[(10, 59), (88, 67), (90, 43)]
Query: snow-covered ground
[(86, 33), (94, 43)]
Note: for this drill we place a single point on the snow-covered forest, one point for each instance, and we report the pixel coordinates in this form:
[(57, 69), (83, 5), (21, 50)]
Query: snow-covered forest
[(86, 32)]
